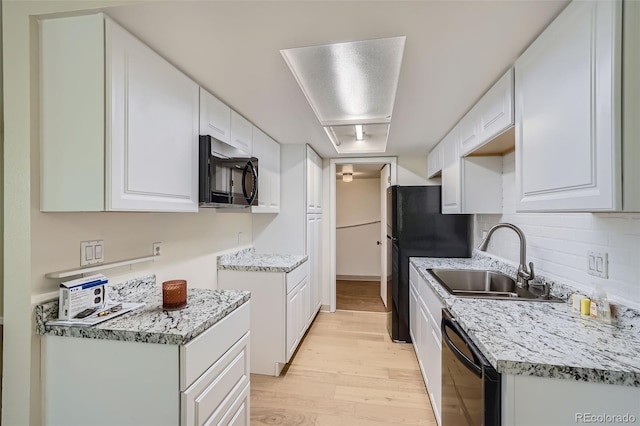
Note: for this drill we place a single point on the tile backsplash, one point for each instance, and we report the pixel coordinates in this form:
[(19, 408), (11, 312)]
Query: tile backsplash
[(557, 243)]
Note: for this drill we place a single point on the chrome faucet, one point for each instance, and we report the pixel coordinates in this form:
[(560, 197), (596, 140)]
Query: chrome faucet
[(524, 274)]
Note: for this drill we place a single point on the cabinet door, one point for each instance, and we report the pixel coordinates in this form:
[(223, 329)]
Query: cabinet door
[(451, 202), (274, 202), (434, 161), (314, 249), (317, 235), (215, 117), (414, 324), (294, 313), (423, 356), (469, 131), (433, 352), (568, 112), (152, 140), (241, 133), (314, 182), (495, 109), (267, 151), (305, 308)]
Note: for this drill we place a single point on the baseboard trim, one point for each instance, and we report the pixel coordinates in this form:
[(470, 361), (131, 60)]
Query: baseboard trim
[(358, 277)]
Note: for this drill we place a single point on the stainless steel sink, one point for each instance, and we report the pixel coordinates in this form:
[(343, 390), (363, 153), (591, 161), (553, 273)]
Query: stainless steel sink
[(486, 284)]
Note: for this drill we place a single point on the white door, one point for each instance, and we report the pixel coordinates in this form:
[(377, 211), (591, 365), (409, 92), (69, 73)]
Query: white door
[(152, 141), (385, 249)]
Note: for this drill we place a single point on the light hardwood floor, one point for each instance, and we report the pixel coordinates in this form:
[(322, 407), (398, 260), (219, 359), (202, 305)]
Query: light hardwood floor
[(359, 296), (346, 372)]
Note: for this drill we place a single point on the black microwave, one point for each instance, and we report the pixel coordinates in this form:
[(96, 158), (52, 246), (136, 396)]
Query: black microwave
[(228, 176)]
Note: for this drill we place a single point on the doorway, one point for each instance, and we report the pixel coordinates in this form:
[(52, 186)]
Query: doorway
[(359, 269)]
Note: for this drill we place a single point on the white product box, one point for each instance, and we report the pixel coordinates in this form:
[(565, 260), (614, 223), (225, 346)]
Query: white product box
[(83, 293)]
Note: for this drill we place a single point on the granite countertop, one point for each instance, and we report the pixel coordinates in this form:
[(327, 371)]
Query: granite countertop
[(249, 260), (540, 338), (150, 324)]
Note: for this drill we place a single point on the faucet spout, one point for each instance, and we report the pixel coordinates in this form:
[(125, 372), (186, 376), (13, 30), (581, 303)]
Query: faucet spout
[(525, 274)]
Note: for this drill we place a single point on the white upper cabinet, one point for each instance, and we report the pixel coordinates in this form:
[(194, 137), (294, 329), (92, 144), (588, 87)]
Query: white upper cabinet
[(215, 117), (568, 113), (314, 181), (241, 133), (469, 184), (434, 161), (153, 119), (451, 202), (469, 131), (495, 109), (491, 116), (119, 123), (267, 151)]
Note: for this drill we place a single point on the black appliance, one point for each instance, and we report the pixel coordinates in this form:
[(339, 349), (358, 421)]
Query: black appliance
[(471, 392), (417, 228), (228, 177)]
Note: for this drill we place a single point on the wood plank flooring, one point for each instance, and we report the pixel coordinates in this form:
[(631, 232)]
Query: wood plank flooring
[(346, 372), (359, 296)]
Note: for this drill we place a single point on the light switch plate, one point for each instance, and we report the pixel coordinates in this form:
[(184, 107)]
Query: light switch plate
[(91, 252), (598, 264)]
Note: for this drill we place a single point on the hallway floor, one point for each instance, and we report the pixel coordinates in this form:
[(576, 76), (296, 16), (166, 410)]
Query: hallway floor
[(346, 372), (359, 296)]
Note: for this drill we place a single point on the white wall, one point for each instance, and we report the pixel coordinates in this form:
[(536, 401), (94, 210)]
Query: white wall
[(413, 171), (357, 206), (557, 243), (44, 242)]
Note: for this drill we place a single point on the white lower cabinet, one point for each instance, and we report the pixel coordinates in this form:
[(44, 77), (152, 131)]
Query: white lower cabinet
[(107, 382), (280, 313), (564, 402), (425, 312)]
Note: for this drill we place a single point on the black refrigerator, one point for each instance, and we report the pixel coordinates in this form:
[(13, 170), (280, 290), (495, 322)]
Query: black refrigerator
[(417, 228)]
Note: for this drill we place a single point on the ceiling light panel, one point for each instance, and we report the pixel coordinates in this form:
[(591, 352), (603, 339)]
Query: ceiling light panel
[(349, 83), (345, 141)]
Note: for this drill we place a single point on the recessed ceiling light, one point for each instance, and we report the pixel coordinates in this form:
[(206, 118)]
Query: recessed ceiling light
[(349, 84)]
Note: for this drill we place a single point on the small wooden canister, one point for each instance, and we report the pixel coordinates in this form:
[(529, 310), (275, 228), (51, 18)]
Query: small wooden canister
[(174, 295)]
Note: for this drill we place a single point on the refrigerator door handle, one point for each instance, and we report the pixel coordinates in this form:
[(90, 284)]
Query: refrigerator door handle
[(392, 238)]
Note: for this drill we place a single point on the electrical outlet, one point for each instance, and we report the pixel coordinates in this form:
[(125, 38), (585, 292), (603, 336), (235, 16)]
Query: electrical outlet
[(157, 249), (91, 252), (598, 264), (484, 234)]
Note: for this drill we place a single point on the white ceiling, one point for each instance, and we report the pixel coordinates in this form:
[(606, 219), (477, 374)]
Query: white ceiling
[(362, 171), (454, 52)]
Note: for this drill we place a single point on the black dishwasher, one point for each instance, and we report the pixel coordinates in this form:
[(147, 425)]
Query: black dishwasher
[(470, 385)]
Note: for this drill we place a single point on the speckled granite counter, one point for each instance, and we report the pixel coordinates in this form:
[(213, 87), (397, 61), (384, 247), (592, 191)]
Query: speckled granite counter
[(249, 260), (542, 339), (151, 324)]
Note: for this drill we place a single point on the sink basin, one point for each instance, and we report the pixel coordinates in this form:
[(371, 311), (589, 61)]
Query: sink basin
[(486, 284)]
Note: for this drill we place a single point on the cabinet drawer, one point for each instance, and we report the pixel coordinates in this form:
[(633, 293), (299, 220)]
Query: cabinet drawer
[(199, 354), (238, 414), (414, 277), (432, 303), (296, 276), (214, 393)]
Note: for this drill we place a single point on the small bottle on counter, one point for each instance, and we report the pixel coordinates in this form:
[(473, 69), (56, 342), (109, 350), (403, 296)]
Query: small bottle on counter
[(585, 306), (575, 301)]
